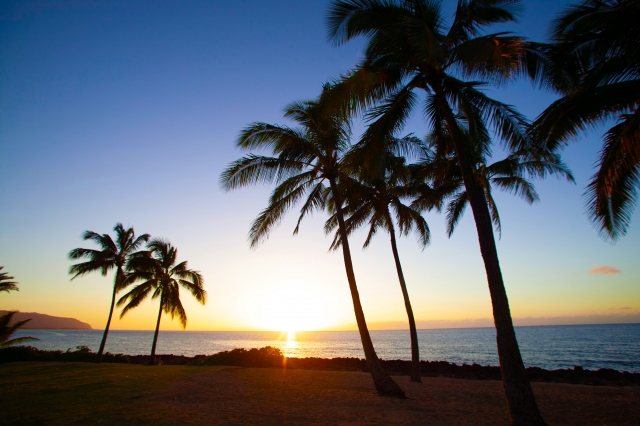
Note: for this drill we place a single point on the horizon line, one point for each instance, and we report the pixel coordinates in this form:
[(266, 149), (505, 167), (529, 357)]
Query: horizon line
[(328, 331)]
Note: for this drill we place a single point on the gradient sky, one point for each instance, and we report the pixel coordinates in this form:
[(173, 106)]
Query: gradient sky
[(118, 111)]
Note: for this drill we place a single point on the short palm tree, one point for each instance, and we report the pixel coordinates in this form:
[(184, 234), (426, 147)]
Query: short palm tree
[(5, 282), (411, 50), (307, 165), (370, 201), (7, 330), (593, 61), (112, 255), (161, 278)]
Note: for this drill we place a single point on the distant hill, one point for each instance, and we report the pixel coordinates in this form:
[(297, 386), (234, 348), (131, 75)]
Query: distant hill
[(42, 321)]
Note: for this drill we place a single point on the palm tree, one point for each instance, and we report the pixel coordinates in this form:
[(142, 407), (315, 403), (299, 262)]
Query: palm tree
[(594, 63), (370, 201), (7, 330), (5, 282), (509, 174), (112, 254), (410, 49), (162, 278), (306, 159)]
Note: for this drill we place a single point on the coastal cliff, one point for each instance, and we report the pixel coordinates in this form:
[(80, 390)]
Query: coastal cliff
[(43, 321)]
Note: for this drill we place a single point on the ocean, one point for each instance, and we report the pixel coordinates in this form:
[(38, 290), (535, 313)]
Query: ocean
[(615, 346)]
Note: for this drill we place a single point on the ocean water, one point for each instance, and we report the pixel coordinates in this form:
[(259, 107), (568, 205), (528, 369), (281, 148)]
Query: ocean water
[(615, 346)]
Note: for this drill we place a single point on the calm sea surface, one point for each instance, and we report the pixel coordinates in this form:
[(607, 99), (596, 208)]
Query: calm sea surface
[(590, 346)]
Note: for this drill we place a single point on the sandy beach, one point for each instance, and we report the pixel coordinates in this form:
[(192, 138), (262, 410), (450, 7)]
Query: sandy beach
[(274, 396)]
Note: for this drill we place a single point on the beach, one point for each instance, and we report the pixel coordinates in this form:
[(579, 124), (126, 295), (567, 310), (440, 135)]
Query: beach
[(81, 393)]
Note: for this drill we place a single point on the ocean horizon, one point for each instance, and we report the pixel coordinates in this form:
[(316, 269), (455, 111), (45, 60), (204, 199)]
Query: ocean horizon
[(591, 346)]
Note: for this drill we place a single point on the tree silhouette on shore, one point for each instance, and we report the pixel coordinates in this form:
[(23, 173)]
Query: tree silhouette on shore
[(410, 49), (305, 158), (370, 200), (112, 255), (161, 278)]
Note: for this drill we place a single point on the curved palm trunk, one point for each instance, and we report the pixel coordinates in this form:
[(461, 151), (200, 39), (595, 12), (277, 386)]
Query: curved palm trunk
[(415, 350), (155, 336), (113, 303), (383, 382), (523, 408)]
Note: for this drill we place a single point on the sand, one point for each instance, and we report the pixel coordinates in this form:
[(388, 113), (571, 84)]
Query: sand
[(274, 396)]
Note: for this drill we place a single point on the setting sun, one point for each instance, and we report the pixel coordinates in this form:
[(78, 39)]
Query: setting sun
[(292, 309)]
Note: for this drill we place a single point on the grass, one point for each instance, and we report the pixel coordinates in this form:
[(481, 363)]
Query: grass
[(82, 393), (38, 393)]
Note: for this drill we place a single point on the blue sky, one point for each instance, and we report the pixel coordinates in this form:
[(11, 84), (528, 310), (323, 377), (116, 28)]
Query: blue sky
[(128, 111)]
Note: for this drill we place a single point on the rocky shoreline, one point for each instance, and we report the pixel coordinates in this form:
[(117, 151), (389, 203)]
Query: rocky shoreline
[(269, 357)]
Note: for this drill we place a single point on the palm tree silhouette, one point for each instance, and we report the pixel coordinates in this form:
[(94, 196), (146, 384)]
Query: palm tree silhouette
[(112, 254), (7, 330), (410, 49), (162, 278), (305, 159), (370, 200), (593, 61), (5, 282)]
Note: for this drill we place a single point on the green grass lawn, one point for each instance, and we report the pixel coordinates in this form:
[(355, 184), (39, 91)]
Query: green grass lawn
[(79, 393)]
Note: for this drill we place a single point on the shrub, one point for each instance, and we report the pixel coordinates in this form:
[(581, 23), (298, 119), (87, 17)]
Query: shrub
[(263, 357), (81, 354)]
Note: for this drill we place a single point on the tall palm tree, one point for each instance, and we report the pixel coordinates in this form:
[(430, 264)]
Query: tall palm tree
[(371, 201), (112, 255), (162, 278), (593, 61), (411, 50), (7, 330), (5, 282), (307, 163)]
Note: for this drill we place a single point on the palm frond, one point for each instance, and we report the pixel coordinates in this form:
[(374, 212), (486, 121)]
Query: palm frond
[(5, 283), (455, 210), (471, 16), (613, 191)]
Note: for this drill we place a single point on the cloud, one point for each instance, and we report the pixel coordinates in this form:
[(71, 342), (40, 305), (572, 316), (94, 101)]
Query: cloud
[(604, 270)]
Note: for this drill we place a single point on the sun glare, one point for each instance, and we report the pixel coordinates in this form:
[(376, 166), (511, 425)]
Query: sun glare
[(292, 309)]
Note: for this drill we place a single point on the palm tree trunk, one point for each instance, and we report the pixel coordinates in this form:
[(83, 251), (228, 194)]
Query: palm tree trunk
[(382, 381), (415, 350), (155, 336), (116, 286), (523, 408)]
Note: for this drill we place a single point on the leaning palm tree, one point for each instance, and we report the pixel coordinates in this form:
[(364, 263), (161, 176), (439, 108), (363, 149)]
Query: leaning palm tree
[(410, 50), (593, 61), (7, 330), (5, 282), (161, 278), (112, 255), (307, 165), (370, 201)]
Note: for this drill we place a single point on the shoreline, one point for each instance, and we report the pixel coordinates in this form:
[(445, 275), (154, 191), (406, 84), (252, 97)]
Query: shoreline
[(269, 357)]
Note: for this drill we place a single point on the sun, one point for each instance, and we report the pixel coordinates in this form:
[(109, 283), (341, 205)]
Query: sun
[(292, 309)]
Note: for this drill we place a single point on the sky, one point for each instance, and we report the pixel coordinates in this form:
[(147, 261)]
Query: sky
[(117, 111)]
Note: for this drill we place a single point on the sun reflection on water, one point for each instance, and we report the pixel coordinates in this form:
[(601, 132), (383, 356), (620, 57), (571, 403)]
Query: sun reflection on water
[(290, 345)]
